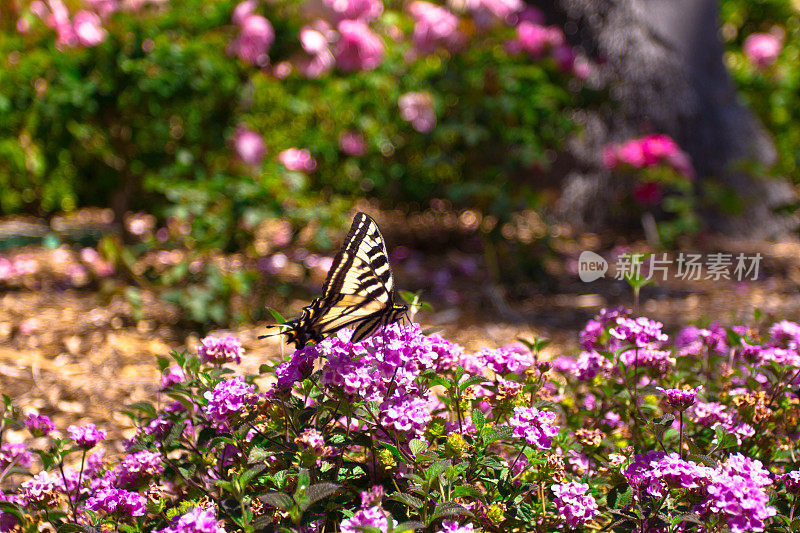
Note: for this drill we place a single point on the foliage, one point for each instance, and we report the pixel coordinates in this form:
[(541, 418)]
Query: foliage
[(768, 82), (408, 432)]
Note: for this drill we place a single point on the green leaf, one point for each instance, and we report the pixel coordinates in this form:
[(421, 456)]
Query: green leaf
[(245, 478), (278, 500), (145, 407), (449, 509), (276, 315), (408, 526), (472, 380), (479, 419), (259, 455), (466, 490), (497, 433), (417, 446), (407, 499), (319, 491)]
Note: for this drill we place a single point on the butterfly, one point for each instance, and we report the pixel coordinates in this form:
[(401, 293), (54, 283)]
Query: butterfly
[(359, 291)]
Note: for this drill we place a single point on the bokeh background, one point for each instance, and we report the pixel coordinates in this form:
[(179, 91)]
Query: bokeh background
[(168, 169)]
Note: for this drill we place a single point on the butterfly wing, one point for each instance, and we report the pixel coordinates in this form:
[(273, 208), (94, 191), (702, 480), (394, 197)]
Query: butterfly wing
[(358, 292)]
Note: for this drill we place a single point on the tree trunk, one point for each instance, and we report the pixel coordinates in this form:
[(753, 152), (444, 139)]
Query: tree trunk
[(661, 62)]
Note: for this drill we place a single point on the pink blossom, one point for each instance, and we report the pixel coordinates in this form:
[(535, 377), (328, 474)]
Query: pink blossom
[(254, 40), (296, 159), (417, 109), (656, 147), (87, 28), (249, 145), (762, 49), (243, 10), (632, 154), (103, 8), (316, 40), (359, 48), (535, 39), (434, 27), (58, 19), (487, 12), (352, 143), (366, 10)]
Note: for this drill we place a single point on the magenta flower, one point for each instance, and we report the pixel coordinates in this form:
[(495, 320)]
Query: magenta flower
[(366, 10), (573, 504), (103, 8), (118, 502), (358, 48), (374, 517), (254, 40), (39, 425), (87, 436), (416, 108), (352, 143), (762, 49), (218, 351), (172, 375), (42, 488), (197, 520), (137, 467), (639, 331), (451, 526), (535, 426), (434, 27), (249, 145), (87, 28), (16, 453), (228, 398), (680, 399), (298, 160), (792, 481), (372, 497), (488, 12)]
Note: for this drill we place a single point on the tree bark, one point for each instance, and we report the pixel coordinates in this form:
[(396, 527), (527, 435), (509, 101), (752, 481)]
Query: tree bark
[(662, 63)]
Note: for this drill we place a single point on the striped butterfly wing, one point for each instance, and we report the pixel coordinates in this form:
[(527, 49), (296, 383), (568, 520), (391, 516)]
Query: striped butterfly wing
[(358, 292)]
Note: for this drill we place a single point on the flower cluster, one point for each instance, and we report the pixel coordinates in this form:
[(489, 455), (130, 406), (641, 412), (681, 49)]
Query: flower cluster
[(256, 34), (573, 504), (15, 453), (298, 160), (197, 520), (434, 27), (117, 501), (218, 351), (374, 517), (39, 425), (249, 145), (649, 151), (680, 399), (137, 467), (84, 29), (227, 399), (87, 436), (762, 49), (534, 426), (512, 359), (416, 108)]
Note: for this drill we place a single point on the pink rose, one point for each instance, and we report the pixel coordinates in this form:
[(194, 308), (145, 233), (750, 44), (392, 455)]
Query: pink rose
[(249, 145), (296, 159), (762, 49), (254, 40), (87, 28), (359, 48)]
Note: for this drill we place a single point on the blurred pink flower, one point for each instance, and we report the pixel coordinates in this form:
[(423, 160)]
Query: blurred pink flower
[(23, 25), (366, 10), (315, 41), (58, 19), (487, 12), (103, 8), (87, 28), (352, 143), (656, 147), (632, 154), (762, 49), (359, 48), (249, 145), (434, 27), (531, 14), (581, 68), (417, 109), (282, 70), (535, 39), (647, 193), (254, 40), (296, 159), (243, 10), (610, 157)]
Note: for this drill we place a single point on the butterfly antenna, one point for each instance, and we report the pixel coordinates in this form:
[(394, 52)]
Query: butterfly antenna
[(282, 327)]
